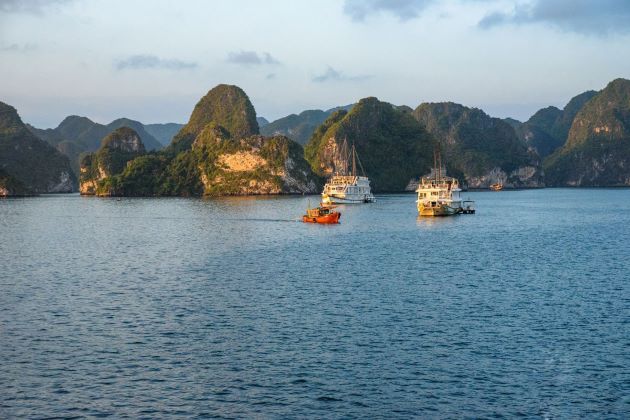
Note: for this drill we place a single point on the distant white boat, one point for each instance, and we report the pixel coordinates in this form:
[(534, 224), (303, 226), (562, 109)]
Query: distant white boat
[(345, 186)]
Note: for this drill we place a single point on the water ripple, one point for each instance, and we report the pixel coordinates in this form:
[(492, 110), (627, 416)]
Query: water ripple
[(146, 308)]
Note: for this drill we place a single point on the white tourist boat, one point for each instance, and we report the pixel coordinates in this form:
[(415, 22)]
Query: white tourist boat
[(345, 186), (440, 195)]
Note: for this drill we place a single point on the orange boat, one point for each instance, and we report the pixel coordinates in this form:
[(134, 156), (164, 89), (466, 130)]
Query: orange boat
[(321, 215)]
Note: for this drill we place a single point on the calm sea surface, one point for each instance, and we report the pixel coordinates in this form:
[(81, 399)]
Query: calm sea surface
[(231, 308)]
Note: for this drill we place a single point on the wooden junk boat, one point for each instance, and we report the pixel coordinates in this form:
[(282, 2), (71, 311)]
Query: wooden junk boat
[(321, 214), (496, 186)]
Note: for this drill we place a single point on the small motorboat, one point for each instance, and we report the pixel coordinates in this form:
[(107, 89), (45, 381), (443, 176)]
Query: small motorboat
[(496, 186), (321, 214)]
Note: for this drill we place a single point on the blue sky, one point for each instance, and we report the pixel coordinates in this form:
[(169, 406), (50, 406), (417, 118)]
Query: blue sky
[(153, 60)]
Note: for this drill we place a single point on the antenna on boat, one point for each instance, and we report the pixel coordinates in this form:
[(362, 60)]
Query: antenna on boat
[(437, 162), (435, 169)]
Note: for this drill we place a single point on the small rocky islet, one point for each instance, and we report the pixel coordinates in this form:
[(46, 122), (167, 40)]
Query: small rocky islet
[(222, 150)]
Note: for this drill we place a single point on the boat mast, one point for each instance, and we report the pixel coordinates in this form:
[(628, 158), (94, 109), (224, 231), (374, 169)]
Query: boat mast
[(345, 156), (354, 161), (435, 152)]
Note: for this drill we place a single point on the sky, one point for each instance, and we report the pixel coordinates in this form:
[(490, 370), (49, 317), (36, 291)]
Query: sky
[(153, 60)]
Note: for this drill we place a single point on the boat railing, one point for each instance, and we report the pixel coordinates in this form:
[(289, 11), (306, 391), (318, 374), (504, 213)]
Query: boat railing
[(342, 180), (439, 183)]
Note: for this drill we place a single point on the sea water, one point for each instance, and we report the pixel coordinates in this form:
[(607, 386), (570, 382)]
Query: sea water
[(234, 308)]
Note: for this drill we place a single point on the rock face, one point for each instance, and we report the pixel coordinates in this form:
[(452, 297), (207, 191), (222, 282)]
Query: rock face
[(218, 152), (597, 150), (117, 148), (478, 148), (36, 166), (125, 140), (393, 147), (253, 165), (148, 140)]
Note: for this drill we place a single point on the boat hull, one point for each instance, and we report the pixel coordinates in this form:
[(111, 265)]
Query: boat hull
[(327, 219), (438, 211)]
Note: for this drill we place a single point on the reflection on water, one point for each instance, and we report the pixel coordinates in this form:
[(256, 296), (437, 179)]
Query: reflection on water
[(229, 307), (425, 221)]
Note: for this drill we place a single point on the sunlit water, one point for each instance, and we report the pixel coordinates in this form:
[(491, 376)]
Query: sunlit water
[(231, 307)]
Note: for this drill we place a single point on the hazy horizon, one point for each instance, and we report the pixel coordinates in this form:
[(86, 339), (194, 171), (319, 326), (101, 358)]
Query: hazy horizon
[(152, 61)]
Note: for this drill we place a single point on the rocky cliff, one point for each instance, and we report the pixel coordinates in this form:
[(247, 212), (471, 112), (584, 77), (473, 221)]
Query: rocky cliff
[(251, 165), (478, 148), (117, 149), (597, 150), (33, 164)]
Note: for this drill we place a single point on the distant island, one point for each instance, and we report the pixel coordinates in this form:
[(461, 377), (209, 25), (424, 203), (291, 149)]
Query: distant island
[(226, 149)]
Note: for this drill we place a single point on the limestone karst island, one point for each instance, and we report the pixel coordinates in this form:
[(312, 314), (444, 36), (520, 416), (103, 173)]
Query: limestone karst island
[(222, 150)]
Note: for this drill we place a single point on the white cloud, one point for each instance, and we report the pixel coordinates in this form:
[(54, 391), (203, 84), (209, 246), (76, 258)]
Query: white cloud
[(135, 62)]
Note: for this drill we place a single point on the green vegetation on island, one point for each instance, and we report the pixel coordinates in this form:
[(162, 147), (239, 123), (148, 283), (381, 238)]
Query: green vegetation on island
[(478, 148), (12, 187), (78, 135), (117, 149), (597, 150), (29, 164), (547, 130), (219, 152), (392, 146), (225, 105)]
